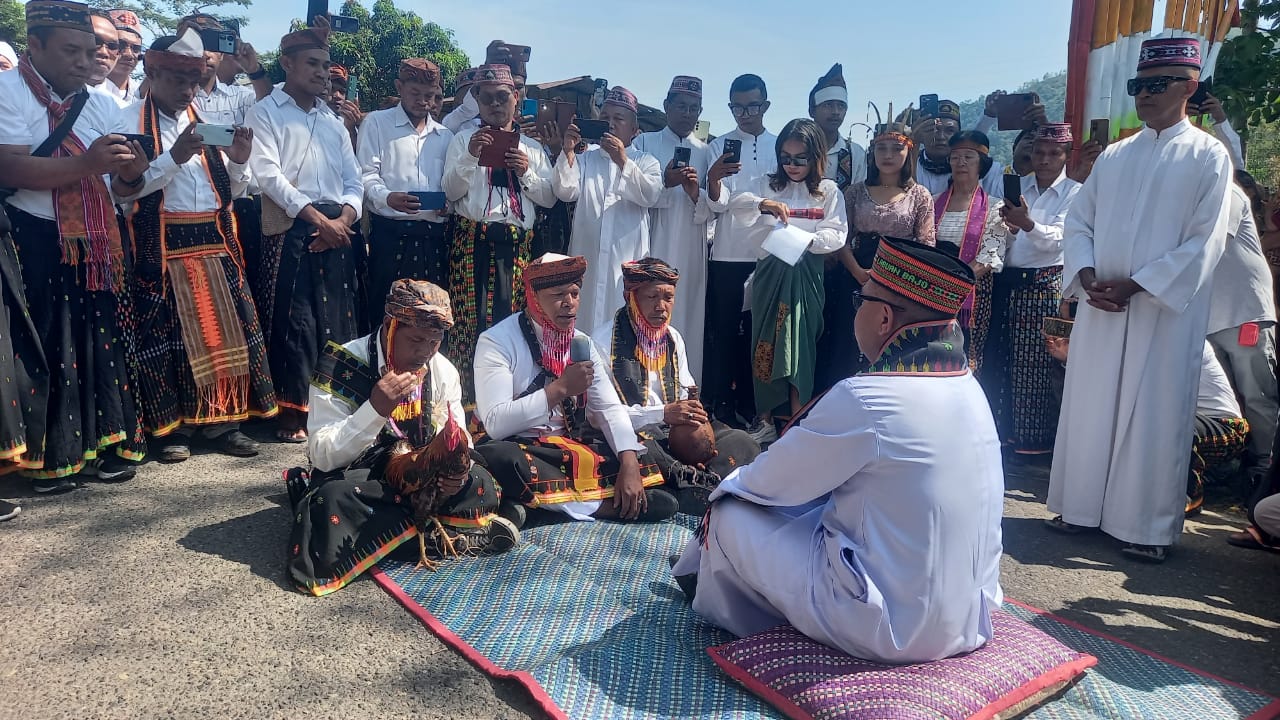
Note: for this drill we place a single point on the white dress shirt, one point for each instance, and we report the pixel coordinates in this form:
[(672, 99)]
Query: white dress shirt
[(651, 413), (124, 96), (463, 117), (858, 171), (1042, 245), (26, 124), (397, 157), (732, 242), (1242, 289), (303, 156), (1214, 396), (226, 104), (504, 368), (467, 184), (337, 431), (1231, 139), (186, 187)]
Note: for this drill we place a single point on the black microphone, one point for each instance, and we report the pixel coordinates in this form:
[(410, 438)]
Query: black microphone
[(580, 349)]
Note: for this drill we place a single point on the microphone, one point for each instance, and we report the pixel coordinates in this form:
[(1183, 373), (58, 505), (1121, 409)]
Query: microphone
[(580, 349)]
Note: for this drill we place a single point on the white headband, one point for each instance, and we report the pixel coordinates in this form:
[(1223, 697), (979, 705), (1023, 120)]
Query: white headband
[(831, 92)]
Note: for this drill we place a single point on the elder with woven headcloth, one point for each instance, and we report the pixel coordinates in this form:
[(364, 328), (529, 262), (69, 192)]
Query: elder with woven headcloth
[(869, 525), (369, 399)]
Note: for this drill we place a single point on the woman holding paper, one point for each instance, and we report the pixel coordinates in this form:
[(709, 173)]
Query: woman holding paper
[(800, 217)]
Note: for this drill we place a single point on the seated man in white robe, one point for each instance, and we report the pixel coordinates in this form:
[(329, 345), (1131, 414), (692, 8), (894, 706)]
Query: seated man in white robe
[(561, 438), (871, 526), (650, 368)]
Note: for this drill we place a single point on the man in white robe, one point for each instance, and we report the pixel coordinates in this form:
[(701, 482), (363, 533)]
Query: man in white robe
[(869, 526), (678, 232), (614, 190), (1142, 240)]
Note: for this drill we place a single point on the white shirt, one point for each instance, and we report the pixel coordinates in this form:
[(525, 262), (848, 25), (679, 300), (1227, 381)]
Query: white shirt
[(829, 233), (463, 117), (337, 432), (467, 184), (610, 222), (397, 157), (858, 164), (1042, 245), (732, 241), (1215, 397), (1231, 139), (226, 105), (26, 123), (504, 369), (303, 156), (651, 412), (1242, 285), (186, 187), (124, 96)]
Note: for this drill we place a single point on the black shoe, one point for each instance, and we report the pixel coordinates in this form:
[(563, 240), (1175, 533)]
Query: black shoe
[(110, 469), (513, 513), (662, 505), (8, 510), (54, 486), (235, 444), (500, 536)]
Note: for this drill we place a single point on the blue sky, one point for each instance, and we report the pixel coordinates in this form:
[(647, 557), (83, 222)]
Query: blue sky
[(891, 51)]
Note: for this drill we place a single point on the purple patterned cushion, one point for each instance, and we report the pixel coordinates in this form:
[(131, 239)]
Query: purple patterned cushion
[(1017, 669)]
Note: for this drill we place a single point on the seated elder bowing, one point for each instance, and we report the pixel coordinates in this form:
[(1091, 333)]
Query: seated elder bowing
[(650, 369), (870, 526), (561, 438), (390, 455)]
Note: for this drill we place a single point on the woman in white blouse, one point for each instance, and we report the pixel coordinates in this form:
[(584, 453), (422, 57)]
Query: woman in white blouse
[(787, 300), (969, 226)]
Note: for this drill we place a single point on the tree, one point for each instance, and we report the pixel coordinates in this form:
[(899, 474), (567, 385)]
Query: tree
[(161, 16), (13, 24), (1247, 77)]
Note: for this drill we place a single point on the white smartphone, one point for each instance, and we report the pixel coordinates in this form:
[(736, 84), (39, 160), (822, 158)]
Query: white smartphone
[(702, 130), (216, 135)]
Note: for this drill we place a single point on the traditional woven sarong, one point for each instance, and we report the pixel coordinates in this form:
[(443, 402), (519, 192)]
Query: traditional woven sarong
[(24, 374), (551, 229), (412, 249), (554, 469), (1017, 371), (486, 285), (786, 320), (1217, 441)]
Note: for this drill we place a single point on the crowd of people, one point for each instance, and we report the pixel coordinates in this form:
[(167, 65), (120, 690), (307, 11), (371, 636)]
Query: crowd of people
[(467, 313)]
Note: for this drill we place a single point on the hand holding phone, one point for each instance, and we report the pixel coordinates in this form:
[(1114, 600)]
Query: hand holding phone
[(929, 105), (216, 135), (147, 143), (1013, 190), (733, 148), (1011, 111), (1100, 130), (682, 157), (591, 129)]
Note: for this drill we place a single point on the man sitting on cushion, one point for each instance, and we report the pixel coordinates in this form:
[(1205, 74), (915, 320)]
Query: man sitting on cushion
[(873, 524), (651, 371), (561, 437), (366, 397)]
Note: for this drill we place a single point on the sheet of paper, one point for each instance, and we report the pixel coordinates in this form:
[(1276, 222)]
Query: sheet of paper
[(787, 243)]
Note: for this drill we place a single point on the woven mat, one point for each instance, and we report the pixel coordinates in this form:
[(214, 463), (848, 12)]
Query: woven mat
[(586, 616)]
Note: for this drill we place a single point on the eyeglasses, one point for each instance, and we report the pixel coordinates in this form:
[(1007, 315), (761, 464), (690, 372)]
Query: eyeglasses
[(1156, 85), (682, 109), (133, 47), (859, 298), (111, 45), (794, 161), (498, 98), (750, 110)]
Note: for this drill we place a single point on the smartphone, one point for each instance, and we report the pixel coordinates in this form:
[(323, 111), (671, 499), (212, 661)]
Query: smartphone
[(1013, 190), (1100, 130), (1057, 327), (682, 157), (702, 130), (1202, 93), (1011, 111), (147, 142), (929, 105), (529, 108), (523, 52), (223, 41), (591, 129), (733, 148), (353, 90), (216, 135), (494, 155), (430, 200), (344, 24), (316, 8)]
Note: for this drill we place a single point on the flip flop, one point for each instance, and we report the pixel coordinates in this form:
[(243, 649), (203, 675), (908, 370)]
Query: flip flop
[(1146, 553), (296, 436), (1059, 525), (1251, 539)]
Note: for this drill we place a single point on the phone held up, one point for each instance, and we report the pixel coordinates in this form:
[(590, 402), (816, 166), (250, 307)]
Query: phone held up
[(338, 23), (733, 148), (223, 41), (1011, 111), (1100, 130), (1013, 189), (593, 130), (929, 105), (216, 135), (682, 157), (147, 142)]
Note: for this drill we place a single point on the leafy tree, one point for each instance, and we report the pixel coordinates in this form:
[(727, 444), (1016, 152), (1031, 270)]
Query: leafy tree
[(162, 16), (1264, 153), (13, 24), (1247, 77)]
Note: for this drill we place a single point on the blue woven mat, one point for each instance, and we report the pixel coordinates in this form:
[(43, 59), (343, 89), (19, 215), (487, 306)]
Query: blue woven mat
[(590, 612)]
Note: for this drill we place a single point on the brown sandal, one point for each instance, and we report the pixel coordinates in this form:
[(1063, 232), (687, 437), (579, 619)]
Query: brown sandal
[(1251, 539), (295, 436)]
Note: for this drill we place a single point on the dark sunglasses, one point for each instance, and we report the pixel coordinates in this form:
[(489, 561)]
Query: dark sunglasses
[(859, 298), (793, 161), (134, 47), (1155, 85), (111, 45)]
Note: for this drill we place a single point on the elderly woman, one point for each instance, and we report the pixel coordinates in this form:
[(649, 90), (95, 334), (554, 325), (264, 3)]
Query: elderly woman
[(970, 227), (787, 300)]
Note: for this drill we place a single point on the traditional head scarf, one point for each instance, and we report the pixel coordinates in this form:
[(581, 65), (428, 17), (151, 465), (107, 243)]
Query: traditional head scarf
[(127, 21), (647, 270), (183, 54), (1054, 133), (418, 303), (338, 75), (973, 140), (651, 340), (312, 38), (686, 85), (623, 98), (6, 52), (830, 87), (419, 70), (59, 14), (1169, 52), (552, 270), (893, 131), (467, 77), (922, 274), (494, 75)]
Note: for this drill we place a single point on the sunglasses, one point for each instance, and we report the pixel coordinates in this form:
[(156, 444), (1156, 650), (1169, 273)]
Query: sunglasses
[(746, 110), (859, 298), (132, 47), (796, 161), (1155, 85), (111, 45)]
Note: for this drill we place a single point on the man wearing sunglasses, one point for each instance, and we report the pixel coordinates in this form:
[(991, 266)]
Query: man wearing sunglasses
[(129, 50), (1141, 241), (104, 59)]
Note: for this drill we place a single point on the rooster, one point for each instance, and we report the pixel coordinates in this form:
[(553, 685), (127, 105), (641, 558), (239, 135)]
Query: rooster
[(416, 473)]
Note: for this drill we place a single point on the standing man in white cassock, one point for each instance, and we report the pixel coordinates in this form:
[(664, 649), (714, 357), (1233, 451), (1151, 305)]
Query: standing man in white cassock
[(679, 221), (1141, 243), (614, 190)]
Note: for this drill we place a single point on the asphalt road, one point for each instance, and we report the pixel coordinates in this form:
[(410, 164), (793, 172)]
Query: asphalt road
[(166, 597)]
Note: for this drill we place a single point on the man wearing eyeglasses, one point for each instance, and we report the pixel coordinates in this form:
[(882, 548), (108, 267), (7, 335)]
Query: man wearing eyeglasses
[(104, 59), (129, 50), (1140, 246)]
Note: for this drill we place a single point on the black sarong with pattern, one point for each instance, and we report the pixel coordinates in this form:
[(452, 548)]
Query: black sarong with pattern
[(24, 374)]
